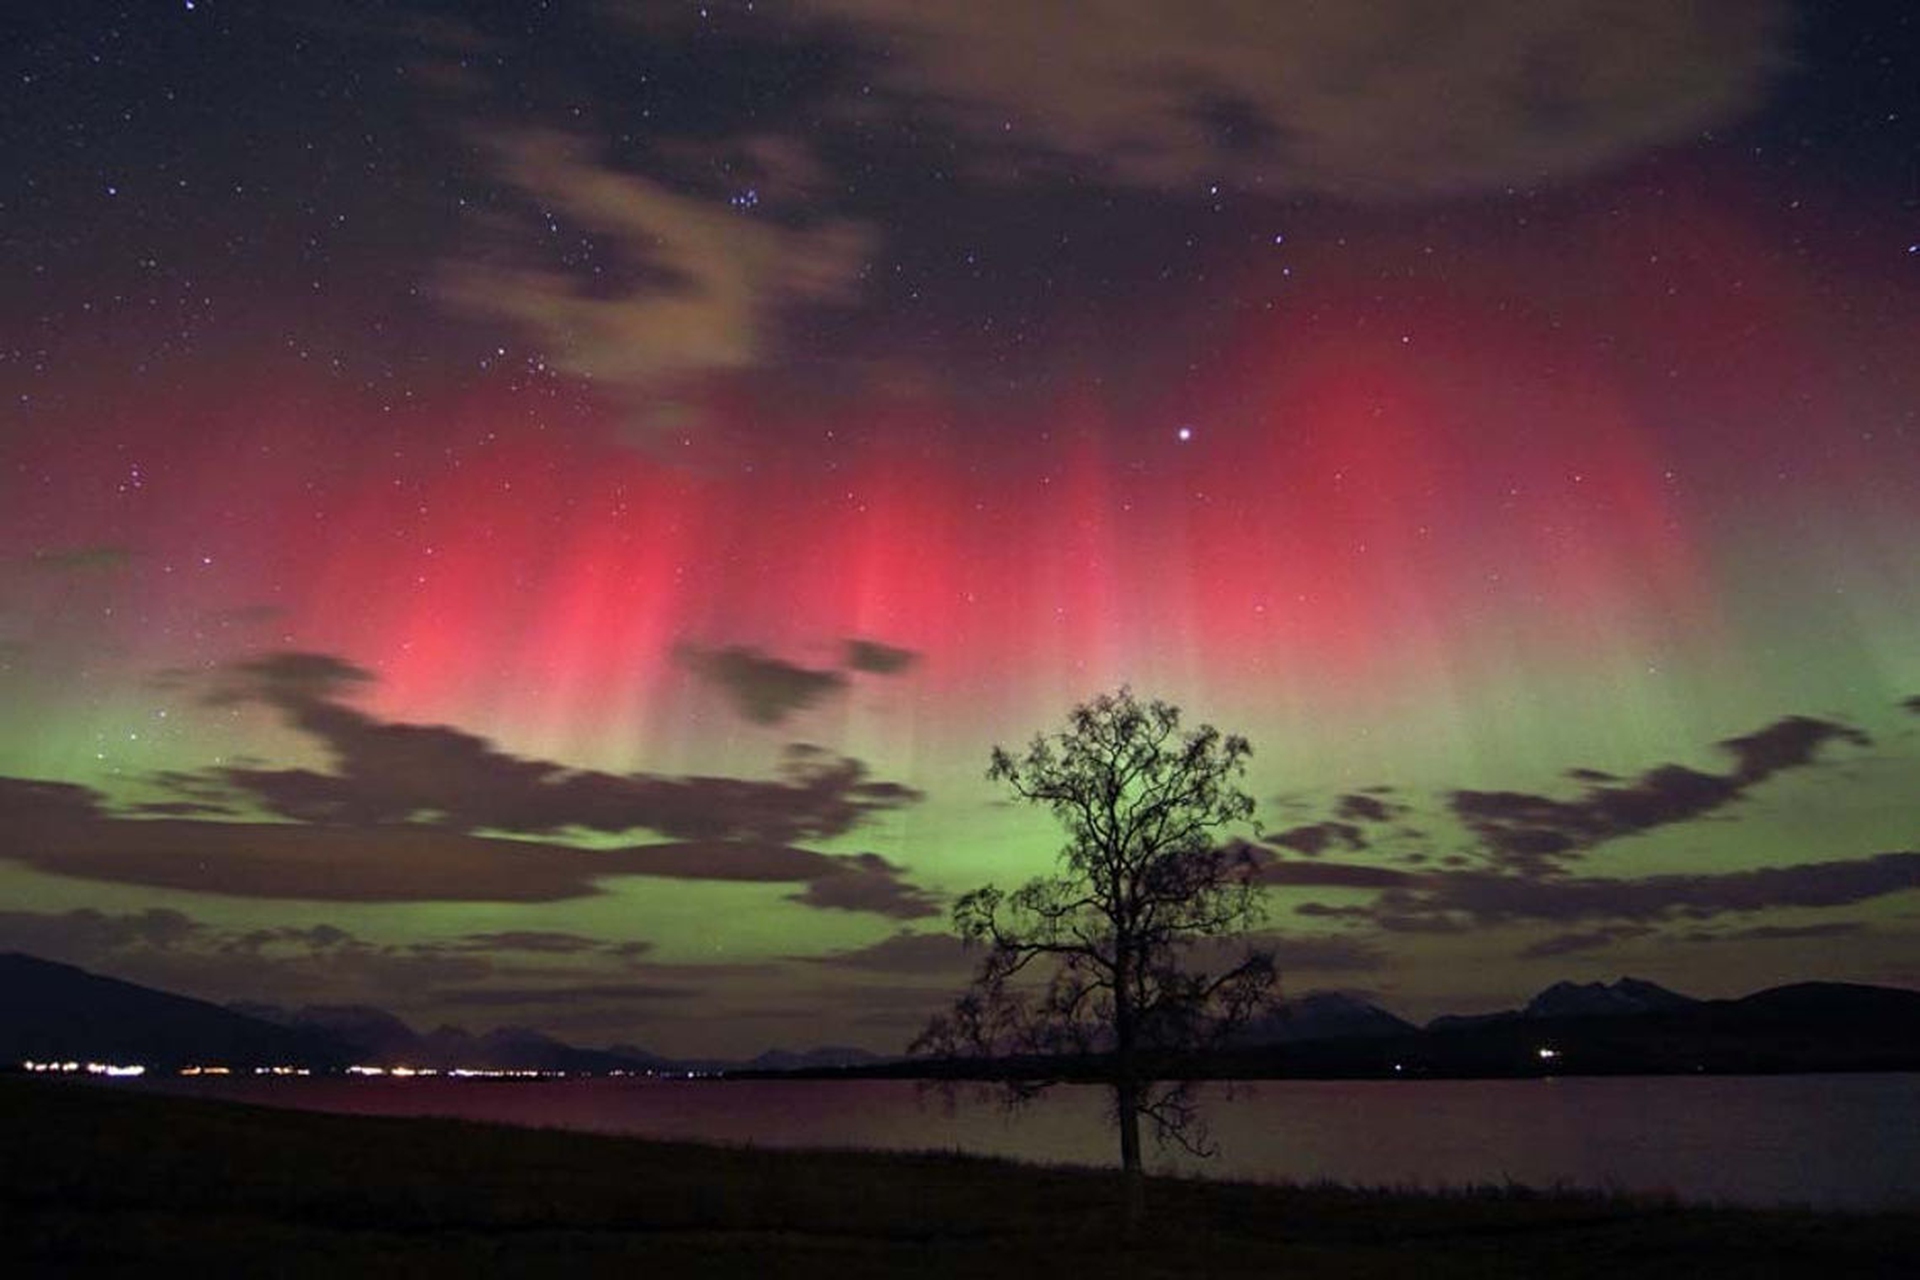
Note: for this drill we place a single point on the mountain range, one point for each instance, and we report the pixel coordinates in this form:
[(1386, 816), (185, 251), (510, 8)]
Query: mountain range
[(53, 1012), (56, 1012)]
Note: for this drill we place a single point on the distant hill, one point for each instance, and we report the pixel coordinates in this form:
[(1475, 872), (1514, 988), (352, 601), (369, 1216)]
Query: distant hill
[(374, 1037), (55, 1012), (1323, 1015), (365, 1034), (1577, 1000), (825, 1056), (1634, 1027)]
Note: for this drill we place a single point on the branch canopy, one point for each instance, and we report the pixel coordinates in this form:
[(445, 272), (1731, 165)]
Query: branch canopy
[(1104, 956)]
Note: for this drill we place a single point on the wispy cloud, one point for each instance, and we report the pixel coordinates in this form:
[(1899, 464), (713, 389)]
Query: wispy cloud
[(764, 689), (1538, 834), (1389, 99), (684, 287)]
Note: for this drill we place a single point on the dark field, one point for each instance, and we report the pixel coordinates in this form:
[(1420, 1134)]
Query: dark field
[(98, 1181)]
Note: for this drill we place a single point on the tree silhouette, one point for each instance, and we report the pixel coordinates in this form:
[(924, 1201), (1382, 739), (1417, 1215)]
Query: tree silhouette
[(1097, 970)]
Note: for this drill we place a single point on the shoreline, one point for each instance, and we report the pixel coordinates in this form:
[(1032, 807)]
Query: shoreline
[(104, 1179)]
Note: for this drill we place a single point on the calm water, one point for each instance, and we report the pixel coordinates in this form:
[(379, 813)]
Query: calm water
[(1843, 1141)]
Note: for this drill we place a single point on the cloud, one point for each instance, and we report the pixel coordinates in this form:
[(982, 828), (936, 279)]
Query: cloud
[(91, 934), (1334, 953), (939, 954), (1564, 944), (180, 809), (1388, 99), (415, 813), (1332, 875), (560, 994), (765, 690), (1452, 901), (1779, 932), (171, 951), (536, 941), (876, 659), (703, 288), (1789, 743), (1317, 953), (418, 863), (1363, 807), (434, 775), (289, 679), (867, 882), (28, 805), (1536, 834), (1316, 838)]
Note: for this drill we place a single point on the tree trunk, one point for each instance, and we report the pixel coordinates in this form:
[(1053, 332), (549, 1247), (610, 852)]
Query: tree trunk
[(1126, 1089), (1126, 1102)]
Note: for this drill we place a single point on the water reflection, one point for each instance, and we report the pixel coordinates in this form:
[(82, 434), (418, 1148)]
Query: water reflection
[(1832, 1140)]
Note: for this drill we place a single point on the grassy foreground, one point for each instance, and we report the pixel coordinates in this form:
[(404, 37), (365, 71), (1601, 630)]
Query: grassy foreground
[(97, 1181)]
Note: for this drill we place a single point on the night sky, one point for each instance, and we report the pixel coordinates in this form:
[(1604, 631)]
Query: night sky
[(537, 514)]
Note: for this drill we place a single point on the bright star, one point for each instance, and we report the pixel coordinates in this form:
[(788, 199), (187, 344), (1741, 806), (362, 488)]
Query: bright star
[(1184, 434)]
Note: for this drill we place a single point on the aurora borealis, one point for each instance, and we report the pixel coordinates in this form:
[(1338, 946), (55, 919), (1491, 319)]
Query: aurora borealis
[(537, 514)]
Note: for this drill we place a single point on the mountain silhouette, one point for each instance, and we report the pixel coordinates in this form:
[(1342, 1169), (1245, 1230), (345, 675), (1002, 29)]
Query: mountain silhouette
[(56, 1012), (1623, 998), (1323, 1015)]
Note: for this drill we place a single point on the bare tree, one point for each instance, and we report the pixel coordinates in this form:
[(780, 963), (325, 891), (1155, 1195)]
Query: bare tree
[(1099, 969)]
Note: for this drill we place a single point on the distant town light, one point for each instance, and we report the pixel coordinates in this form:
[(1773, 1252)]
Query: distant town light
[(114, 1069)]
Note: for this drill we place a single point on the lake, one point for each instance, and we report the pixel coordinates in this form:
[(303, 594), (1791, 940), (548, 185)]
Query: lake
[(1833, 1141)]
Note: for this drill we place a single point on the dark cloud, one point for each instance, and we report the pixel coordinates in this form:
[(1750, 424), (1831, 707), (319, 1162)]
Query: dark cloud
[(1564, 944), (1537, 835), (92, 934), (1316, 838), (1327, 911), (1387, 99), (868, 882), (1332, 875), (1362, 807), (27, 805), (706, 291), (765, 690), (434, 775), (173, 952), (289, 680), (904, 953), (876, 659), (1789, 743), (561, 994), (319, 937), (1779, 932), (1336, 953), (1319, 953), (412, 813), (540, 942), (181, 809), (1452, 901), (419, 863)]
